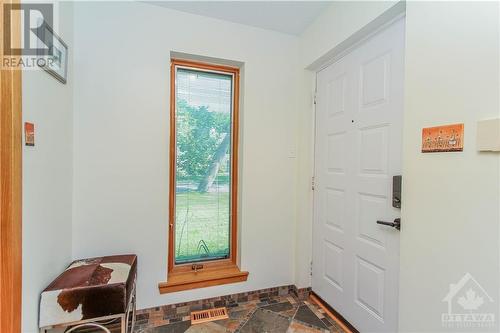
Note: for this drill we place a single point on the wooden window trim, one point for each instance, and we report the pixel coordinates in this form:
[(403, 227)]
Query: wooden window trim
[(216, 272), (11, 184)]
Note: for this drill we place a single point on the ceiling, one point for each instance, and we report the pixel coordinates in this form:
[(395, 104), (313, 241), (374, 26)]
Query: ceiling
[(291, 17)]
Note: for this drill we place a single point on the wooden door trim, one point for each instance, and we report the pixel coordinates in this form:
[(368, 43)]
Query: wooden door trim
[(11, 187)]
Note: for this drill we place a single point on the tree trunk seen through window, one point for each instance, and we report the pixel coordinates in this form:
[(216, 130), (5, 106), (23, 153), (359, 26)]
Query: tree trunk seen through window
[(213, 168)]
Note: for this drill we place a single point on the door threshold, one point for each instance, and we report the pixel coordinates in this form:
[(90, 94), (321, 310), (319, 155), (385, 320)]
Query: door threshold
[(330, 312)]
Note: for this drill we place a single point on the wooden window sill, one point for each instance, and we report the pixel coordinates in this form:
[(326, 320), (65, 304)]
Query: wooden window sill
[(178, 281)]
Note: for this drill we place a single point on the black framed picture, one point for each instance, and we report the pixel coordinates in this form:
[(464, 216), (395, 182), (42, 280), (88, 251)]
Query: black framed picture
[(53, 56)]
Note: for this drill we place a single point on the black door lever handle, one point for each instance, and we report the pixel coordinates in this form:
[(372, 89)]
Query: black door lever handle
[(396, 224)]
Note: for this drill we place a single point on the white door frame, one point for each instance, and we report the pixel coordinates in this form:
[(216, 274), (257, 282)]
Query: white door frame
[(345, 47)]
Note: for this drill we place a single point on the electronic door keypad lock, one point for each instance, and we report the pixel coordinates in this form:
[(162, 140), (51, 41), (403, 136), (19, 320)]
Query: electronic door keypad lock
[(396, 191)]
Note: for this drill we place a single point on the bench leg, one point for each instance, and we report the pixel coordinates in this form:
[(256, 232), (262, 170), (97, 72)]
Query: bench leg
[(133, 314), (131, 311), (124, 325)]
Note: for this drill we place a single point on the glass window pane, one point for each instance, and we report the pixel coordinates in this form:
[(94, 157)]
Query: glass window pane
[(203, 147)]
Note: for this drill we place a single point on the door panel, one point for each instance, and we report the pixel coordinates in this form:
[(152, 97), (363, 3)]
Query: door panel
[(333, 264), (374, 81), (359, 114), (370, 287)]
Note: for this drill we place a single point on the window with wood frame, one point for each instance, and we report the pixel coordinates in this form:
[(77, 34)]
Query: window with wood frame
[(203, 176)]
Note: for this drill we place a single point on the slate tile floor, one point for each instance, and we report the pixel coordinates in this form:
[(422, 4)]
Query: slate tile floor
[(281, 314)]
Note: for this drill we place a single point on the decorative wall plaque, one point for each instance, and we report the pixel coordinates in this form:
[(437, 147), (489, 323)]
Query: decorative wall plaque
[(443, 138), (29, 134)]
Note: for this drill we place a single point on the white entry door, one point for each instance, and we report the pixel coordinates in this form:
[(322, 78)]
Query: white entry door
[(359, 115)]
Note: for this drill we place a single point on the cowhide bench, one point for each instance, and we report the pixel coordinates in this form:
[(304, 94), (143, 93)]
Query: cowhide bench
[(91, 293)]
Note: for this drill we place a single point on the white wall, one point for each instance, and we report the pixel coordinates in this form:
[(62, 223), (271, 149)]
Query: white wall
[(305, 165), (121, 139), (451, 201), (47, 178)]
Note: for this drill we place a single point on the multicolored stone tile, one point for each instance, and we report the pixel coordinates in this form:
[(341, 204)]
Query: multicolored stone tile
[(178, 327), (211, 327), (279, 307), (266, 314), (274, 310), (235, 320), (283, 309), (266, 321), (305, 315), (296, 327)]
